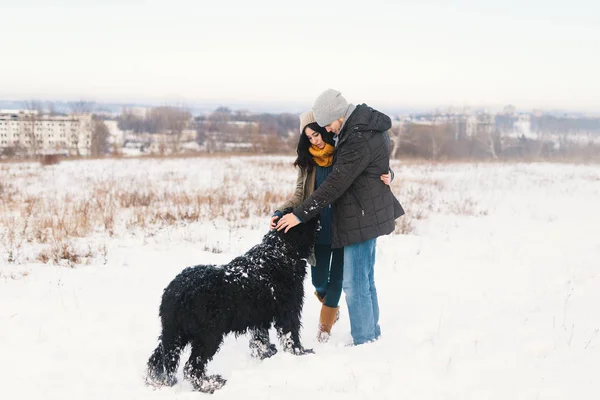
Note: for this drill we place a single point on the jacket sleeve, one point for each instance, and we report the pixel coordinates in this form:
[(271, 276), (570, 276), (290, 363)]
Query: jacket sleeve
[(353, 159), (296, 199)]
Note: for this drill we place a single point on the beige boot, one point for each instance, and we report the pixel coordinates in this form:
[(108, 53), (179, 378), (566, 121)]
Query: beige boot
[(321, 299), (326, 320)]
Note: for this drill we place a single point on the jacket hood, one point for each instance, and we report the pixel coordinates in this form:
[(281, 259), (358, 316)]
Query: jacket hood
[(365, 118)]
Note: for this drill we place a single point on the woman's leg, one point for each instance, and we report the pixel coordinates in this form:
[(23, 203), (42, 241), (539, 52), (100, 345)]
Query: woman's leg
[(336, 276), (320, 271)]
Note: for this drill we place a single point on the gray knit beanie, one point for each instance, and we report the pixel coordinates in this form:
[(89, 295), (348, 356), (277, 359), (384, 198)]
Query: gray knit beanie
[(305, 119), (329, 106)]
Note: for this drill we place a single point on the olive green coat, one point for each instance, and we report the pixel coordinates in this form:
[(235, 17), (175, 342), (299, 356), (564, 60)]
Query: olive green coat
[(305, 186)]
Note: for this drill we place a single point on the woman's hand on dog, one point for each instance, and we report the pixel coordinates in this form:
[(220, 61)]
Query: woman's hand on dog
[(272, 224)]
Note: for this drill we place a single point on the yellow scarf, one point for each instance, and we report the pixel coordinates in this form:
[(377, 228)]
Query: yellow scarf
[(323, 157)]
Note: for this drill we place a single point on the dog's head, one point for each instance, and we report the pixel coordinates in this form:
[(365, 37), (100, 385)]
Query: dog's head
[(302, 237)]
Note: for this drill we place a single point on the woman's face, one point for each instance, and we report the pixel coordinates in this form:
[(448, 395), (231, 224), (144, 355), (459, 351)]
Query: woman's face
[(314, 137)]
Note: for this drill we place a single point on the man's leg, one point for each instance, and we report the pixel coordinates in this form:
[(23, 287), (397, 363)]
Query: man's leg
[(358, 265), (373, 291)]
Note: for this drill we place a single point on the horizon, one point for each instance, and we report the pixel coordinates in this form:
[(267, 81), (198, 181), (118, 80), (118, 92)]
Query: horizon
[(423, 56), (257, 107)]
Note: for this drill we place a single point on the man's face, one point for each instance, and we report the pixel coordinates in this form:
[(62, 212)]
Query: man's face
[(335, 126)]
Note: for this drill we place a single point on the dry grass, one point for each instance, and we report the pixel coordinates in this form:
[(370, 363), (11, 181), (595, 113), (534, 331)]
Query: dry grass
[(12, 242), (416, 196), (466, 207), (14, 275), (404, 225), (53, 227), (49, 159), (64, 227), (215, 248), (65, 253)]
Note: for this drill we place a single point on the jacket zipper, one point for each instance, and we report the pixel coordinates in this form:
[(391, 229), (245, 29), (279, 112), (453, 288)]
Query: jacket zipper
[(362, 208)]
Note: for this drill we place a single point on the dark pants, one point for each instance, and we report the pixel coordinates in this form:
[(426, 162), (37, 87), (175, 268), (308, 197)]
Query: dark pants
[(327, 274)]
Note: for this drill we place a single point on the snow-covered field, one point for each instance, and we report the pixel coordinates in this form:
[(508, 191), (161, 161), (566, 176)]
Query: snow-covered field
[(493, 292)]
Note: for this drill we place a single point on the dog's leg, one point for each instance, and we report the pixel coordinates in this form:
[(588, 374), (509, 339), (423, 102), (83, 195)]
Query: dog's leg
[(173, 348), (289, 336), (163, 363), (260, 345), (203, 351)]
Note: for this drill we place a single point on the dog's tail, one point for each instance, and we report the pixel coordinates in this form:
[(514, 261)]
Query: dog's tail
[(163, 362)]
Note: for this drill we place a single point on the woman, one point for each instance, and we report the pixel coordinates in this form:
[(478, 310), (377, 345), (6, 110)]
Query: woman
[(314, 162)]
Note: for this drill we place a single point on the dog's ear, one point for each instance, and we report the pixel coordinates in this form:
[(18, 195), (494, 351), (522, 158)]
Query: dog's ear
[(315, 224), (303, 233)]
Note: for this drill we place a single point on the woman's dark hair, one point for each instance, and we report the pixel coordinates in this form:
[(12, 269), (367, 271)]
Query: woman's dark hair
[(305, 160)]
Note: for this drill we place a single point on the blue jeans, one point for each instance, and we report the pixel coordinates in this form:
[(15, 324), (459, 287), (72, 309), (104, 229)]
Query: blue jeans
[(361, 295)]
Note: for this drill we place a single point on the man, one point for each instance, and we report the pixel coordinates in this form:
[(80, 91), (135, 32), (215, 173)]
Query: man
[(364, 207)]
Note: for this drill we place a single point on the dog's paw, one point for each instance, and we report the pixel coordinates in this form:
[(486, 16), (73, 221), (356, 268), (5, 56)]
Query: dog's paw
[(261, 351), (306, 351), (300, 351), (157, 381), (270, 352), (209, 384)]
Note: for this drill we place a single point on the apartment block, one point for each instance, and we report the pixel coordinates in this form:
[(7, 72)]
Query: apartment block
[(34, 133)]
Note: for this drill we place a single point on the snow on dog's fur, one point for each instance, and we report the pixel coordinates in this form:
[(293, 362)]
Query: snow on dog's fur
[(206, 302)]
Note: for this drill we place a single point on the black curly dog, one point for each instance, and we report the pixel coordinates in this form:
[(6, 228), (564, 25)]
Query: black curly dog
[(204, 303)]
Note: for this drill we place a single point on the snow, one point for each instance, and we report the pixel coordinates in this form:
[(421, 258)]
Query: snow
[(494, 295)]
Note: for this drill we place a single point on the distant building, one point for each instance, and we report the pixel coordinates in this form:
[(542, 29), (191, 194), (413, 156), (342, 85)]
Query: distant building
[(154, 143), (481, 123), (523, 127), (34, 133), (510, 109), (138, 111), (116, 136)]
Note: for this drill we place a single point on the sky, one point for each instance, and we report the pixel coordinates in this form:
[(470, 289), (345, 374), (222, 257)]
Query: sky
[(427, 54)]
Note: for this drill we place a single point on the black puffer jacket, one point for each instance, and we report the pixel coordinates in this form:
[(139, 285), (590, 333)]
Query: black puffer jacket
[(364, 207)]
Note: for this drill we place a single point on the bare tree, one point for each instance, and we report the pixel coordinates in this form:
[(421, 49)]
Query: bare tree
[(178, 119), (128, 120), (399, 138), (51, 108), (170, 121), (78, 108), (435, 143), (487, 134), (30, 128), (100, 134), (82, 107)]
